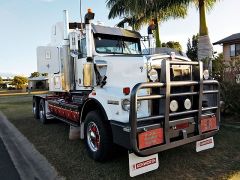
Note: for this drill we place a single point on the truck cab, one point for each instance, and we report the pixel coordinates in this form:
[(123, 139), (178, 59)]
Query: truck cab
[(113, 93)]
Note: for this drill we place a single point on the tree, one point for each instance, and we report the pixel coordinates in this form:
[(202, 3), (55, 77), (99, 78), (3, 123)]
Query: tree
[(232, 70), (19, 81), (35, 74), (141, 12), (192, 48), (172, 44), (44, 74), (205, 49), (219, 67), (136, 8)]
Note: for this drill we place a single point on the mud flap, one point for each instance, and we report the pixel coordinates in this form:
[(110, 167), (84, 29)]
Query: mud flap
[(140, 165), (204, 144)]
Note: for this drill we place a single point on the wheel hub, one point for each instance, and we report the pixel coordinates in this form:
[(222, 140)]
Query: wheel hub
[(93, 136)]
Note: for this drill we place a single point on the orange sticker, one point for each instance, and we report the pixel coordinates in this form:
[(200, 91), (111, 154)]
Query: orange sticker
[(208, 124), (150, 138)]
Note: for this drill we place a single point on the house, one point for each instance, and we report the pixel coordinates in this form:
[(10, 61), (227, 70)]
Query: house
[(7, 83), (40, 82), (231, 55)]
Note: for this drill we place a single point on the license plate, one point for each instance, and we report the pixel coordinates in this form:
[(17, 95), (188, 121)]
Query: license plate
[(140, 165), (204, 144)]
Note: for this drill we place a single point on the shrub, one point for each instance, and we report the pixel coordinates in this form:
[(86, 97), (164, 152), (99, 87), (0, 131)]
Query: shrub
[(230, 95), (35, 74), (11, 88), (19, 82)]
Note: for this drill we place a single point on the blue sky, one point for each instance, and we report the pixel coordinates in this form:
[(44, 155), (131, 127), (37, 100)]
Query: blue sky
[(26, 24)]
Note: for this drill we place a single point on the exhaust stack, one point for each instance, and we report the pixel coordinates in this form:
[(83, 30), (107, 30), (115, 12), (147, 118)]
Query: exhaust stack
[(67, 63), (150, 29), (88, 18), (65, 25), (88, 66)]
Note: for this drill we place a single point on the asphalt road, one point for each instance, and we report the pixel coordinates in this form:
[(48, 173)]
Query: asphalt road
[(7, 168), (18, 157)]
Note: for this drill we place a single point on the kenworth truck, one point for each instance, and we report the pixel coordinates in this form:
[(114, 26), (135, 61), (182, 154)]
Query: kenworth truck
[(104, 86)]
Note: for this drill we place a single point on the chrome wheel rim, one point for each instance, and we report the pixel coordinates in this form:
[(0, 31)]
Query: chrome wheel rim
[(93, 136)]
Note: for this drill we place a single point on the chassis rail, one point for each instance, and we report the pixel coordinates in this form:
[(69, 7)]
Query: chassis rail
[(167, 84)]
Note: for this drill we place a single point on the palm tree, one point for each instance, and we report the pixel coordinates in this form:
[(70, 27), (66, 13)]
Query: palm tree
[(136, 7), (205, 50), (139, 12)]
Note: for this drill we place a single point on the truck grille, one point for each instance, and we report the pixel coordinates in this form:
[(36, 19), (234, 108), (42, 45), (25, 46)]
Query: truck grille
[(179, 73)]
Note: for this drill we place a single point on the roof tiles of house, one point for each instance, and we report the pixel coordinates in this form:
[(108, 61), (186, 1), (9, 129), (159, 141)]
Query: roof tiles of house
[(233, 37)]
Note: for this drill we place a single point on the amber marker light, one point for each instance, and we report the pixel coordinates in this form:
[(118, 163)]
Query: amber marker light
[(89, 10)]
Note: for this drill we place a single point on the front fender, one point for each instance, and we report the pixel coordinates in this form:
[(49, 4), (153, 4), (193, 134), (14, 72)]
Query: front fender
[(102, 102)]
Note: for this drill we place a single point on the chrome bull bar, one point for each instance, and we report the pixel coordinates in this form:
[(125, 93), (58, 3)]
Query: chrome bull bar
[(166, 83)]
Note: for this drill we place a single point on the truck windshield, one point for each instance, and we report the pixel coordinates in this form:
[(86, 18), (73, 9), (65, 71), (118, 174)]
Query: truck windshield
[(117, 45)]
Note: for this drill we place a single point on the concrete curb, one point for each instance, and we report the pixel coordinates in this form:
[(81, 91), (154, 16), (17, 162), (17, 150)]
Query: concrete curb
[(29, 163)]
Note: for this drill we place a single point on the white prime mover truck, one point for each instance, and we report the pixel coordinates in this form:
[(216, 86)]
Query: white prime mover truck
[(103, 85)]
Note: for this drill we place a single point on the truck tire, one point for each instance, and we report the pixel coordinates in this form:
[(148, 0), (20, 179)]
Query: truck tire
[(42, 112), (97, 137), (35, 108)]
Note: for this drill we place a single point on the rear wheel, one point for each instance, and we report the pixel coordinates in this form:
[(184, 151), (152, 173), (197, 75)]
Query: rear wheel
[(97, 136), (42, 111), (35, 108)]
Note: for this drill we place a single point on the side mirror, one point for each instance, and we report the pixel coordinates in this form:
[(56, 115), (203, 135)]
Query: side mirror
[(74, 39)]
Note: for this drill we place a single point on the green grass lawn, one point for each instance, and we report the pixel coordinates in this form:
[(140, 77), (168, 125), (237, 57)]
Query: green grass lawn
[(4, 92), (71, 160)]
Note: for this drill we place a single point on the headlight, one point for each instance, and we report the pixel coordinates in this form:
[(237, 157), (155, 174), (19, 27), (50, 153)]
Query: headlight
[(153, 75), (187, 104), (206, 74), (173, 105), (126, 104)]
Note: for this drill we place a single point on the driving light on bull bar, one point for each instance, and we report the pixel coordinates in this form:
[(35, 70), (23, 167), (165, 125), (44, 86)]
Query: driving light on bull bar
[(206, 74), (126, 104), (187, 104), (153, 75), (173, 105)]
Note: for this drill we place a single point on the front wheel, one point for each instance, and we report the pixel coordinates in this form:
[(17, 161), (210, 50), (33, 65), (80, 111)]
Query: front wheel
[(97, 137)]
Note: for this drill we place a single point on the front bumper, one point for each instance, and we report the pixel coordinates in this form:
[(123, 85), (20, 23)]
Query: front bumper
[(159, 148)]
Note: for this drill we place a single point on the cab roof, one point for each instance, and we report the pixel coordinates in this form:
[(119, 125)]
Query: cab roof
[(98, 29)]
